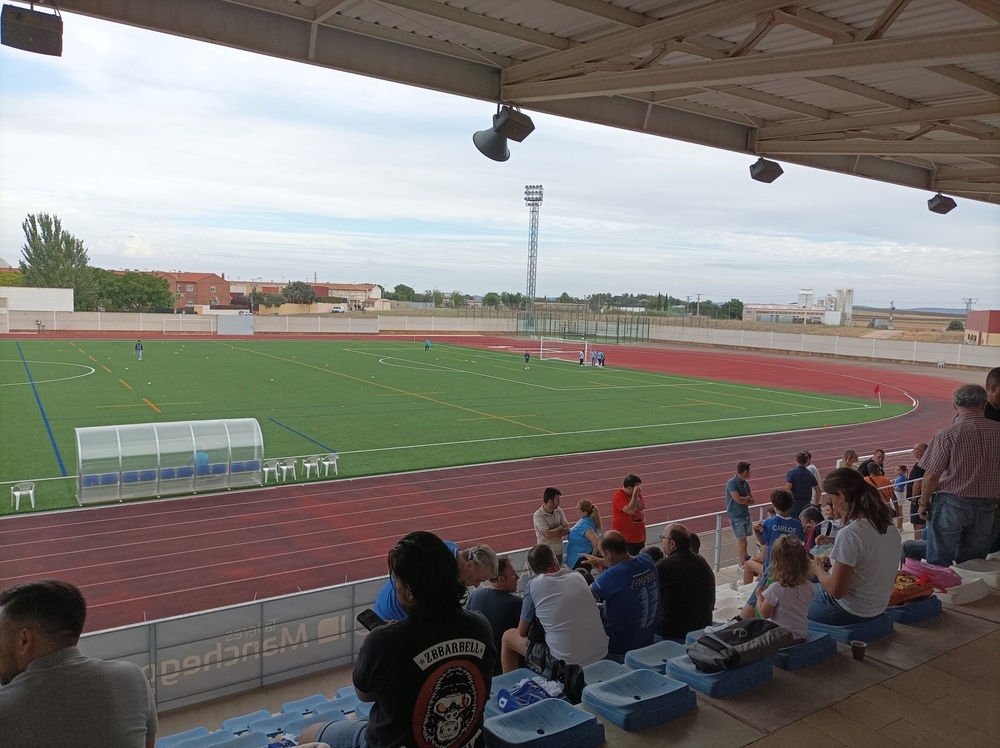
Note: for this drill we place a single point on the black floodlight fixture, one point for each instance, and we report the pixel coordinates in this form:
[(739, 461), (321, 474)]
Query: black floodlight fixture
[(509, 123), (763, 170), (31, 30), (941, 204)]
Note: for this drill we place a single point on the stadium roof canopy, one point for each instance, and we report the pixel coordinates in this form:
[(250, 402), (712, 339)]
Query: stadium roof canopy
[(902, 91)]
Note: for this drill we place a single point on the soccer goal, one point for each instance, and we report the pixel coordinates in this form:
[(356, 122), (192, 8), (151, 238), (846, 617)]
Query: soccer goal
[(560, 349)]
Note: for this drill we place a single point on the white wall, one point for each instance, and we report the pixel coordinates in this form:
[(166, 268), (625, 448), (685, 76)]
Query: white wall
[(21, 299)]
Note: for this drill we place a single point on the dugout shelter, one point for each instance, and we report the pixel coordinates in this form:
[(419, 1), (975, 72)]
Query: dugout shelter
[(140, 460)]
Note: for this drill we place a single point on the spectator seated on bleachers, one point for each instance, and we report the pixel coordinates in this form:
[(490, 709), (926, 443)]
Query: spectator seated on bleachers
[(857, 579)]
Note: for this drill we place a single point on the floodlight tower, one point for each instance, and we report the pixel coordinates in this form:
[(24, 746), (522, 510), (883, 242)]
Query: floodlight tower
[(533, 199)]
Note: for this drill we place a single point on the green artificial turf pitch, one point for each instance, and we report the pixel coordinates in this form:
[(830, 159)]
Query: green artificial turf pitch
[(385, 406)]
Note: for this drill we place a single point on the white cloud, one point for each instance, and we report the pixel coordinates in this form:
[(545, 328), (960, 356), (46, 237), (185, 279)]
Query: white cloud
[(171, 154)]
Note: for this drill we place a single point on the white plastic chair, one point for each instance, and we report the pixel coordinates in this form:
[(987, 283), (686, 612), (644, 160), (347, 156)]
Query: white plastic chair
[(289, 464), (328, 461), (270, 466), (311, 463), (28, 489)]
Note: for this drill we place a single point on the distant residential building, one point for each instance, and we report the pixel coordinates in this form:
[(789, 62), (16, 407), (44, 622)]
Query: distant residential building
[(358, 296), (196, 289), (833, 309), (983, 327)]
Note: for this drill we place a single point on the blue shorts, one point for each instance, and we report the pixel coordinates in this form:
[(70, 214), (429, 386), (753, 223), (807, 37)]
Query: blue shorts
[(742, 526)]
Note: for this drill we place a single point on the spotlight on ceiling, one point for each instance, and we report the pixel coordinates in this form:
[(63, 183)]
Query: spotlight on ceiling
[(765, 171), (941, 204), (31, 30), (508, 123)]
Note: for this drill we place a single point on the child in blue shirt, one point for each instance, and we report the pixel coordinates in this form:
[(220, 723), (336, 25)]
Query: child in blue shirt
[(767, 533)]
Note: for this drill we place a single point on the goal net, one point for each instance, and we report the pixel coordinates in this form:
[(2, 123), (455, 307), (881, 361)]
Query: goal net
[(560, 349)]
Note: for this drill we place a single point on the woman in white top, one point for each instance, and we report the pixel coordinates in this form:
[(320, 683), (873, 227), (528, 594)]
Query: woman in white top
[(856, 581)]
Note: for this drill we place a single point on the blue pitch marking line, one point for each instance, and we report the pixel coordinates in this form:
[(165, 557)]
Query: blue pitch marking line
[(41, 409), (299, 433)]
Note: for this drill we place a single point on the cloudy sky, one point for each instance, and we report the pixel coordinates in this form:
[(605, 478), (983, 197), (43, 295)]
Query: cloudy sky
[(163, 153)]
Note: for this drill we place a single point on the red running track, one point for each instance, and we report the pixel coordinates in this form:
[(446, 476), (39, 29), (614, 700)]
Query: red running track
[(162, 558)]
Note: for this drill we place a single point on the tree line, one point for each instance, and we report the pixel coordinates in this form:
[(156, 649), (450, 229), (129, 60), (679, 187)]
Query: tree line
[(54, 258)]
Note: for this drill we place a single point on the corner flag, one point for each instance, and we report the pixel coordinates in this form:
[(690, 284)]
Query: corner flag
[(879, 393)]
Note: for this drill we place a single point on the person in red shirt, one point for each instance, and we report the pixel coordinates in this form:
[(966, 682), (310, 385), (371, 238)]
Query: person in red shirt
[(627, 517)]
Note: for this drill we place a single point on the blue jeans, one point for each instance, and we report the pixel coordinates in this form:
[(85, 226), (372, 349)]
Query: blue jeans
[(824, 609), (959, 529), (345, 733)]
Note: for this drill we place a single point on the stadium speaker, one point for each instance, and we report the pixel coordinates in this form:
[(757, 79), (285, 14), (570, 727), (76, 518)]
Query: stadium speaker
[(941, 204), (31, 30), (508, 123), (765, 171)]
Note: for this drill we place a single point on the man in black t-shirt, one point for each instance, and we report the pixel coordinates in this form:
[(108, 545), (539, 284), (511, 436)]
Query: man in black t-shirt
[(428, 675), (913, 490), (687, 586), (993, 395)]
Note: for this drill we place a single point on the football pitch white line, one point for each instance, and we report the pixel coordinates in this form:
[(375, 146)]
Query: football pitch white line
[(90, 370), (601, 430)]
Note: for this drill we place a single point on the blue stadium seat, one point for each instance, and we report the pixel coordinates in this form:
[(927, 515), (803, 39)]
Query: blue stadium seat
[(204, 470), (185, 472), (552, 723), (303, 706), (640, 699), (272, 725), (722, 684), (816, 648), (240, 724), (248, 740), (109, 479), (655, 656), (147, 475), (602, 670), (333, 710), (89, 481), (171, 741), (168, 473), (131, 476), (508, 681), (866, 631), (237, 467), (363, 709), (204, 741), (915, 612), (296, 725), (253, 465), (218, 468)]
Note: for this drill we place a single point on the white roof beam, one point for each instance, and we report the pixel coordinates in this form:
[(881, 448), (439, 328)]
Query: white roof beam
[(865, 92), (764, 25), (327, 8), (969, 79), (775, 101), (699, 20), (479, 21), (886, 119), (988, 8), (607, 11), (880, 147), (884, 21), (816, 23), (756, 68)]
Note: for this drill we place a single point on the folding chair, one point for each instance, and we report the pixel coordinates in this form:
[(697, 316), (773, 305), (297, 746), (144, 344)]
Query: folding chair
[(27, 489), (328, 461), (270, 466), (289, 463)]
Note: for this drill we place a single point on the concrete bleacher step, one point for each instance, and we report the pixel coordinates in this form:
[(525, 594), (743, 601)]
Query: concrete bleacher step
[(915, 612), (640, 699), (814, 650), (722, 684), (551, 723), (866, 631)]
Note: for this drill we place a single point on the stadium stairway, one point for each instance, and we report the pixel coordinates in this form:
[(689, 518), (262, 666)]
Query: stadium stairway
[(930, 683)]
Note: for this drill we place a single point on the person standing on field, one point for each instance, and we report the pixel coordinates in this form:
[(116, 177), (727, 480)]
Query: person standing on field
[(138, 349)]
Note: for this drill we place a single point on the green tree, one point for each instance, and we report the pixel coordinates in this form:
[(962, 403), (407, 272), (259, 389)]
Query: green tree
[(54, 258), (132, 292), (566, 298), (402, 292), (491, 299), (457, 299), (269, 299), (732, 309), (298, 292), (955, 325), (11, 279)]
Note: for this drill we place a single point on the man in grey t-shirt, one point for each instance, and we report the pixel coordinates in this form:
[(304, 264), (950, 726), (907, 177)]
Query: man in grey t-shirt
[(50, 693)]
